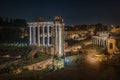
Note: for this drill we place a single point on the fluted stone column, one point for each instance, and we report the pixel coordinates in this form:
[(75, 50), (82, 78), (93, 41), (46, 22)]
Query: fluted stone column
[(34, 35), (60, 42), (43, 35), (56, 39), (48, 36), (38, 35), (30, 35)]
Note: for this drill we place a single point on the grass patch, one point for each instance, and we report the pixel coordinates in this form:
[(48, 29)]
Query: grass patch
[(39, 57)]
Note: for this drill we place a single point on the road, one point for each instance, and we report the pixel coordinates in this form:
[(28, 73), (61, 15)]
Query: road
[(85, 72)]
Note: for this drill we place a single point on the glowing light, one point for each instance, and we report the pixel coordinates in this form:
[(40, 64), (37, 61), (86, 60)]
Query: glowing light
[(91, 59), (95, 58), (66, 60)]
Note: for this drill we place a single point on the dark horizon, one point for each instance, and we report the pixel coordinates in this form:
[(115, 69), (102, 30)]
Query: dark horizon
[(72, 11)]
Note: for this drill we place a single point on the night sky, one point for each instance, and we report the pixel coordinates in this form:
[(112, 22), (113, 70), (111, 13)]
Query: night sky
[(73, 11)]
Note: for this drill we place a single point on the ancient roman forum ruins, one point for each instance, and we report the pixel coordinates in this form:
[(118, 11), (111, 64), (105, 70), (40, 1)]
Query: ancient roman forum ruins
[(49, 36)]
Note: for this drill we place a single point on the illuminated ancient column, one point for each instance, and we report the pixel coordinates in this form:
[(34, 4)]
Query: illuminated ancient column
[(58, 36), (34, 35), (30, 36), (43, 35), (48, 36), (60, 41), (38, 35), (56, 40)]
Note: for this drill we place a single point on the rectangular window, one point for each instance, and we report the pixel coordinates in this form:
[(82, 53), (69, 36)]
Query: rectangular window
[(111, 46)]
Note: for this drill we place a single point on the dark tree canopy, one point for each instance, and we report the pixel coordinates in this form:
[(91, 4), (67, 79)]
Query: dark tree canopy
[(10, 34)]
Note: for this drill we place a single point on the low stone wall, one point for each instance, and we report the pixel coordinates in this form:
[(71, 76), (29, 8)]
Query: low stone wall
[(10, 63), (40, 65)]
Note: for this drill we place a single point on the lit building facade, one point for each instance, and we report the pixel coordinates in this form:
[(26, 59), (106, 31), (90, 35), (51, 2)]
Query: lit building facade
[(113, 44), (48, 36)]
